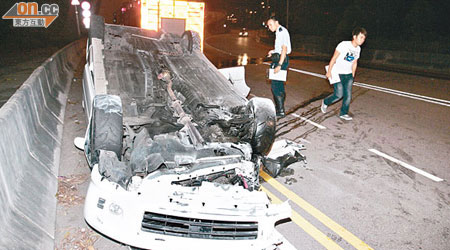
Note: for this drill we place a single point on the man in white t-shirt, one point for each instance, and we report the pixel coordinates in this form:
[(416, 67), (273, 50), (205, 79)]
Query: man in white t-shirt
[(280, 61), (341, 72)]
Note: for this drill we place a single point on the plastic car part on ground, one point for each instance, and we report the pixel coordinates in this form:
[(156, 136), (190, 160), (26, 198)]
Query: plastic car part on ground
[(283, 154), (236, 76)]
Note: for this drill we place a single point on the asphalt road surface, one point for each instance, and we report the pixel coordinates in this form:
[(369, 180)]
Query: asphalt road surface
[(379, 181)]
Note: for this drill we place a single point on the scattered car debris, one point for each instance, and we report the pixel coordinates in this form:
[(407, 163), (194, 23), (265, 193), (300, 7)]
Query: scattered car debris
[(78, 238), (67, 194), (283, 153)]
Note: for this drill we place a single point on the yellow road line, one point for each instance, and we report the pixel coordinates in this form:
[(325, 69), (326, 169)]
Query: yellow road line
[(327, 221), (305, 225)]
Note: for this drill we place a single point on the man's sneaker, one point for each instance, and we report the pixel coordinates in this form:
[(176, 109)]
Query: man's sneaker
[(323, 108), (346, 117)]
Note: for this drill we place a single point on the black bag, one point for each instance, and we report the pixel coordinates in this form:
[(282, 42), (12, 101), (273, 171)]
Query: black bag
[(275, 58)]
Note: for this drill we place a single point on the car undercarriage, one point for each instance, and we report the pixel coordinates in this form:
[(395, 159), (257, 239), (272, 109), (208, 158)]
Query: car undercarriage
[(175, 151)]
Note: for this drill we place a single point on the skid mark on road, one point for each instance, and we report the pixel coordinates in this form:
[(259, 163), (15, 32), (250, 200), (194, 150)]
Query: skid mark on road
[(283, 127), (309, 121), (307, 116), (297, 125), (307, 102), (298, 122)]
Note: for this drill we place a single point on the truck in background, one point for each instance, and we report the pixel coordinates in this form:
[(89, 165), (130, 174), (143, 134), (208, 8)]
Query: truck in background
[(173, 16)]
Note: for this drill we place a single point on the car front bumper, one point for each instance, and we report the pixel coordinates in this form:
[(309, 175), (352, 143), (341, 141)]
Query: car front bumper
[(118, 213)]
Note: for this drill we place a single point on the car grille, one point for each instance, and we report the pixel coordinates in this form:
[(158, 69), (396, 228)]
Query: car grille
[(199, 228)]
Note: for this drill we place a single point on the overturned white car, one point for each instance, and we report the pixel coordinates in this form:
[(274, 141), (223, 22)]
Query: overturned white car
[(175, 152)]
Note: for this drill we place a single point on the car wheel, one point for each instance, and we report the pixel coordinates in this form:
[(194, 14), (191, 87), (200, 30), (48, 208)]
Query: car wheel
[(190, 40), (106, 128), (264, 125)]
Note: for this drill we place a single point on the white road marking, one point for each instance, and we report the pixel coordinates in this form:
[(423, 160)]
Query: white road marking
[(308, 73), (406, 165), (404, 94), (304, 140), (401, 92), (309, 121), (385, 90)]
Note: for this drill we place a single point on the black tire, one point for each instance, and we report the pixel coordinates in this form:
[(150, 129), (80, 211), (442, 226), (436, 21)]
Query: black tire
[(106, 128), (264, 125), (190, 41)]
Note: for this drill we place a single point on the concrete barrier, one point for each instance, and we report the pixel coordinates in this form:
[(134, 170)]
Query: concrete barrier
[(432, 62), (31, 124)]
